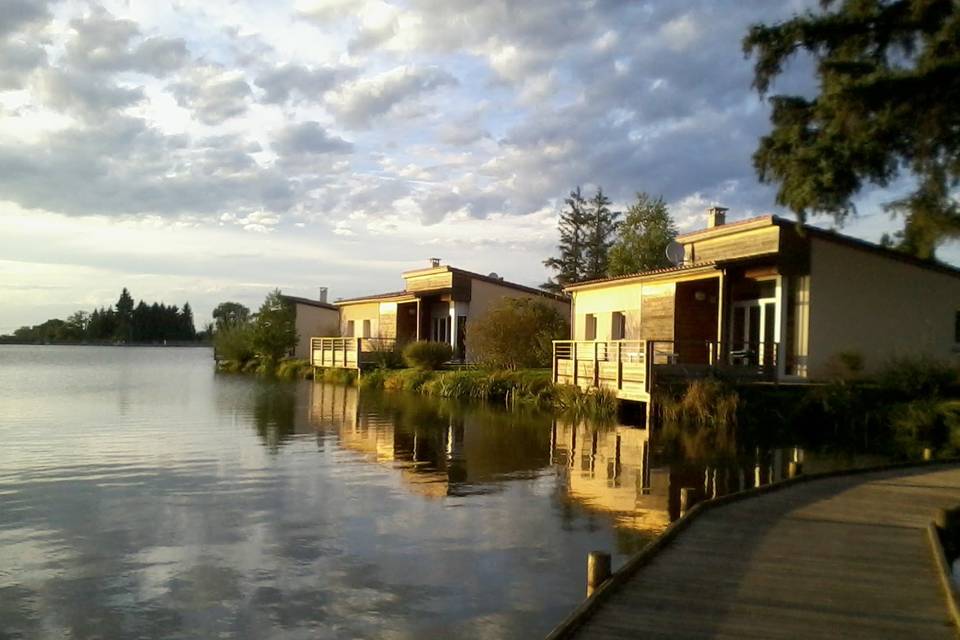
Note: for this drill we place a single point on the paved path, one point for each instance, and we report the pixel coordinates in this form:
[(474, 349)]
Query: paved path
[(843, 557)]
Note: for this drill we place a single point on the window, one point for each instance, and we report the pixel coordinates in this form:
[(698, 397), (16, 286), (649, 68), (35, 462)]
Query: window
[(349, 328), (440, 330), (590, 327), (366, 328), (618, 327)]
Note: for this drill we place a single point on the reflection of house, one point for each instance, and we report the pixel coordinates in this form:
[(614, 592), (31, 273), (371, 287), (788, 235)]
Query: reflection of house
[(435, 304), (314, 317), (763, 297), (609, 470)]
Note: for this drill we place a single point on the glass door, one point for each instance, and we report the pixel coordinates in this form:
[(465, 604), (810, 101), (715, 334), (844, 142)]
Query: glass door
[(753, 332)]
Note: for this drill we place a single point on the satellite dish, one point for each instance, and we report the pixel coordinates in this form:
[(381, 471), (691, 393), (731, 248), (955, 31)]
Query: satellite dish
[(494, 275), (675, 253)]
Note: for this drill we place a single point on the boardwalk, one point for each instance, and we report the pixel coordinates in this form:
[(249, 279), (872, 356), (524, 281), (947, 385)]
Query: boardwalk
[(843, 557)]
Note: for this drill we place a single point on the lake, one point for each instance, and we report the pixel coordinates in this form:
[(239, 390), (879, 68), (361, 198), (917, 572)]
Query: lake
[(142, 495)]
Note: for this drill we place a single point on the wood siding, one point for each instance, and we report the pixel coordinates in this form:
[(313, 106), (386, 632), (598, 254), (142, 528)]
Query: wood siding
[(657, 309), (738, 245), (430, 281)]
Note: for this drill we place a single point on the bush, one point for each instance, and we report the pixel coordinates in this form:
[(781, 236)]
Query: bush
[(516, 333), (917, 377), (386, 353), (294, 369), (235, 343), (274, 329), (702, 422), (427, 356)]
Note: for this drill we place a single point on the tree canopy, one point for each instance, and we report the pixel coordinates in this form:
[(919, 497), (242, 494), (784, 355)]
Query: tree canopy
[(123, 322), (889, 85), (586, 230), (643, 236), (230, 314), (516, 333), (274, 328)]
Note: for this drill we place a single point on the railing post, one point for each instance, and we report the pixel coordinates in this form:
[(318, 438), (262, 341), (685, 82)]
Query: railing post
[(619, 366), (359, 351), (596, 363), (576, 365), (647, 364)]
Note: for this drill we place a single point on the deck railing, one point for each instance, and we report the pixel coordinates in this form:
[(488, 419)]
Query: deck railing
[(628, 366), (347, 352)]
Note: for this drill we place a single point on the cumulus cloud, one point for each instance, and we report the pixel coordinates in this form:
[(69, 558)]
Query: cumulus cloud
[(309, 138), (105, 43), (20, 14), (19, 59), (359, 102), (294, 81), (86, 95), (212, 93)]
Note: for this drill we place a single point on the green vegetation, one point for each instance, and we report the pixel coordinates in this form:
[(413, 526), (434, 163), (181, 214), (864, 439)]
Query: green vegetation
[(516, 333), (257, 344), (586, 231), (528, 387), (886, 73), (123, 323), (909, 405), (426, 355), (642, 237)]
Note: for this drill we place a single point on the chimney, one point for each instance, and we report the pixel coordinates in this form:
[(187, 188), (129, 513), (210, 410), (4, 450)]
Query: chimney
[(323, 294), (434, 262), (716, 216)]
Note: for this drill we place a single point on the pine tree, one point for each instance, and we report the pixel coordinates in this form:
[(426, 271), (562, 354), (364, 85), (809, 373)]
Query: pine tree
[(889, 81), (602, 225), (642, 237), (124, 307), (187, 329), (570, 265)]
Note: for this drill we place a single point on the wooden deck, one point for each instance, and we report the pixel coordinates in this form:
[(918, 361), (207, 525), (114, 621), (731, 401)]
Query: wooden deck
[(841, 557)]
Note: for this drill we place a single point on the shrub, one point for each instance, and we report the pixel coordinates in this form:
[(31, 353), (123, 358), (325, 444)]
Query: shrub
[(386, 353), (294, 369), (235, 343), (407, 380), (427, 356), (917, 377), (516, 333), (596, 403), (702, 421)]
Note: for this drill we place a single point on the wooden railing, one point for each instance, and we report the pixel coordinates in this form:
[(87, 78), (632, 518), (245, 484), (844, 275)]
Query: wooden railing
[(628, 366), (347, 352), (618, 364)]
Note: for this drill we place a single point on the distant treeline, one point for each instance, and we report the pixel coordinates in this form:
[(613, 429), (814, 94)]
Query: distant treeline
[(123, 323)]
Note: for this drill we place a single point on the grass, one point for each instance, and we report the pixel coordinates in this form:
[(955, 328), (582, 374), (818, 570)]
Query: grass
[(524, 387)]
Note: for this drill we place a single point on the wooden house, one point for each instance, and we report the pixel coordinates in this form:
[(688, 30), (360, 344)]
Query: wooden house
[(760, 298)]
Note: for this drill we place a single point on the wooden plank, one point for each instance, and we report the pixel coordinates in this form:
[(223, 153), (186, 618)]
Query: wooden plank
[(841, 557)]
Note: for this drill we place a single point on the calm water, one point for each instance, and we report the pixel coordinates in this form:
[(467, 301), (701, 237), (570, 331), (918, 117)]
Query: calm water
[(142, 496)]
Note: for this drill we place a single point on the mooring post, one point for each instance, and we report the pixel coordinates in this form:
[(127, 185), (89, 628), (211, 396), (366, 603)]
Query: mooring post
[(598, 570), (688, 497), (927, 454)]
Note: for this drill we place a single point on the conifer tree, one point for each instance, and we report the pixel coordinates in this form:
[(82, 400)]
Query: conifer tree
[(602, 224), (889, 84), (570, 265)]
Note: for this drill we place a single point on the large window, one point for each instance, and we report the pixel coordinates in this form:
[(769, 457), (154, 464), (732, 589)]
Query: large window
[(350, 329), (366, 328), (440, 329)]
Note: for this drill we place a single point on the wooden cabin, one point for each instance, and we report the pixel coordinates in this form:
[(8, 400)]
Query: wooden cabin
[(763, 298), (436, 304)]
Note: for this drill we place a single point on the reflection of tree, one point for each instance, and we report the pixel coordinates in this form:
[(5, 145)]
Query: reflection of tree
[(274, 412)]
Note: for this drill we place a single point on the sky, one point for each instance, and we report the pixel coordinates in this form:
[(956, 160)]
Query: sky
[(210, 151)]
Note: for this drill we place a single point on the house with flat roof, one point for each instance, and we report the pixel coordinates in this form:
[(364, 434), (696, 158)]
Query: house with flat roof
[(313, 317), (436, 304), (764, 298)]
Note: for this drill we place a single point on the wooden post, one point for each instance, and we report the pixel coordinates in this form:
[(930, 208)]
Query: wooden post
[(927, 454), (619, 366), (576, 365), (794, 469), (688, 498), (596, 363), (598, 570)]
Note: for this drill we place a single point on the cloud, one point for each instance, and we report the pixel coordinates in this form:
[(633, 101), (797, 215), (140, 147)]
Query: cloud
[(19, 59), (19, 14), (104, 43), (358, 103), (89, 96), (213, 93), (294, 81), (309, 138)]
